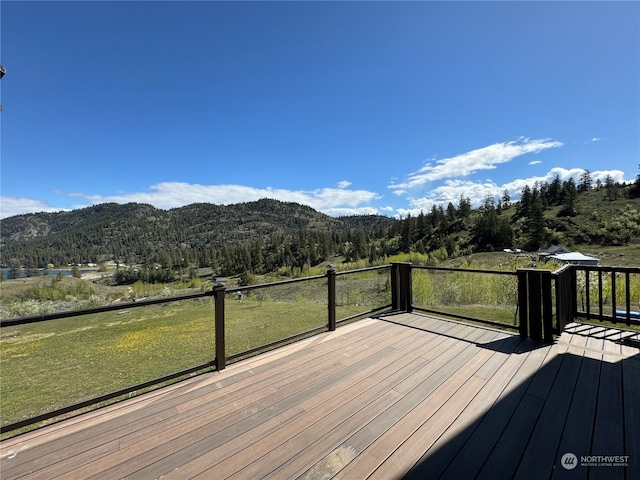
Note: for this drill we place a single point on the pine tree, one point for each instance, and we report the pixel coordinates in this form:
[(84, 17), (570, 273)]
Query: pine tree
[(585, 181), (406, 234), (525, 202), (464, 207), (506, 198), (536, 224), (569, 197), (611, 188)]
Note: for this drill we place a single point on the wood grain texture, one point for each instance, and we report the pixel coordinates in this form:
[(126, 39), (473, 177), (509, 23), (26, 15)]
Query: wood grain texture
[(403, 395)]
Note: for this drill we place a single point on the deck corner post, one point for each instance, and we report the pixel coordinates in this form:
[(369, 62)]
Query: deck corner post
[(331, 297), (547, 306), (534, 292), (401, 295), (407, 288), (395, 301), (523, 303), (535, 304), (219, 295)]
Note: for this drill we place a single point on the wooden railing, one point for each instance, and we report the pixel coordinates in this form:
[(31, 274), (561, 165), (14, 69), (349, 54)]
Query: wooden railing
[(537, 308), (221, 292), (565, 296), (474, 275), (221, 356), (609, 294)]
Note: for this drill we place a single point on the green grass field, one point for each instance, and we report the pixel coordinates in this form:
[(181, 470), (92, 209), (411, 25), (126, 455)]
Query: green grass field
[(53, 364)]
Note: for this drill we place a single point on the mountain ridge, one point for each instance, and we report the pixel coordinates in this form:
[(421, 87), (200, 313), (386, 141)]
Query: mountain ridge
[(101, 230)]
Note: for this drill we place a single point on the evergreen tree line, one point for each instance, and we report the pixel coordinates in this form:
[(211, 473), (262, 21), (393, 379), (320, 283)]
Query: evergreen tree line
[(498, 223), (165, 248)]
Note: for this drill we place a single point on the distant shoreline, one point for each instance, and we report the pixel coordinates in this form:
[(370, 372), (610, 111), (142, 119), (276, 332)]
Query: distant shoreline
[(67, 272)]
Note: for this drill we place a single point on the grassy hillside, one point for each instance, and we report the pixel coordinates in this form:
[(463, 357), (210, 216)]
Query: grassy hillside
[(268, 235)]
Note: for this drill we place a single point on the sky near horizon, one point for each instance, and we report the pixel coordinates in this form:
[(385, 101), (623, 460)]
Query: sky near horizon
[(348, 107)]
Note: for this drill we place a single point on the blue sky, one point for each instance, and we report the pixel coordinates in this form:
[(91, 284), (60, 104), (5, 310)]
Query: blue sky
[(348, 107)]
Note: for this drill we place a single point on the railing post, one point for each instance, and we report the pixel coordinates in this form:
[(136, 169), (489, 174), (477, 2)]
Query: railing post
[(401, 294), (395, 286), (535, 304), (547, 306), (613, 296), (565, 297), (627, 289), (218, 295), (406, 287), (523, 303), (587, 292), (600, 311), (331, 285)]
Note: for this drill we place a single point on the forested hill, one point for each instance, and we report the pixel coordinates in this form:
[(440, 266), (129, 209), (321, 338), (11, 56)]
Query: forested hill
[(138, 233), (268, 235)]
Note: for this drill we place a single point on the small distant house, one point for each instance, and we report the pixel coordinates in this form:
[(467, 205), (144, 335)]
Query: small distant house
[(575, 258), (555, 250), (552, 251)]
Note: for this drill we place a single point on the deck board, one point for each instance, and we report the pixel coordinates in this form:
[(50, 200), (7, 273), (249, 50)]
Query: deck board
[(609, 418), (511, 446), (334, 397), (631, 377), (545, 439), (234, 421), (455, 436), (382, 398)]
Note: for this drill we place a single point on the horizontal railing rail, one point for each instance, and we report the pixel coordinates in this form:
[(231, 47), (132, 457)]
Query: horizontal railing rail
[(466, 270), (9, 322)]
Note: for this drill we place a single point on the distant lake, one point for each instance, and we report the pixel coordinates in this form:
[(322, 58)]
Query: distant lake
[(54, 271)]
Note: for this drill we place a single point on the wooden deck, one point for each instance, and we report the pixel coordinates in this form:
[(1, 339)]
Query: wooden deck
[(398, 396)]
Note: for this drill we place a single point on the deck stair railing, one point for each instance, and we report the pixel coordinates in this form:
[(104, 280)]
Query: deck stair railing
[(603, 293)]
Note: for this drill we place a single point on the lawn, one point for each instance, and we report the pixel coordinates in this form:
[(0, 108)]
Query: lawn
[(49, 365)]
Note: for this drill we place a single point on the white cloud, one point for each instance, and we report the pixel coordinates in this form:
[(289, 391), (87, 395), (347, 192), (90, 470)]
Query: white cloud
[(476, 192), (515, 187), (347, 212), (451, 191), (331, 201), (535, 162), (616, 175), (10, 206), (465, 164), (177, 194)]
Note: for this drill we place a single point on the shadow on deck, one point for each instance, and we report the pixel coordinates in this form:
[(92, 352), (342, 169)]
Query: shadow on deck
[(575, 416), (398, 396)]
